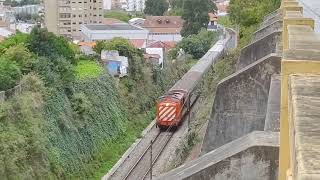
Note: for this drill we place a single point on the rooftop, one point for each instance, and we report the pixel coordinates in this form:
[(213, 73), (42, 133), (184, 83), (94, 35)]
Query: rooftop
[(104, 27), (163, 22)]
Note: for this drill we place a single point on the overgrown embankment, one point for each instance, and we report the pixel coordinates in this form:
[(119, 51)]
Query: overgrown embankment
[(72, 120)]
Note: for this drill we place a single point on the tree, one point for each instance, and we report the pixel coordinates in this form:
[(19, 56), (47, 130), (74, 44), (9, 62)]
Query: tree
[(156, 7), (9, 74), (197, 45), (100, 45), (195, 15), (20, 55), (18, 38), (44, 43)]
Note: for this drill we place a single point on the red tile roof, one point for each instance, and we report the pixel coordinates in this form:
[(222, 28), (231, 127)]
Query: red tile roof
[(90, 44), (167, 45), (138, 43), (163, 24)]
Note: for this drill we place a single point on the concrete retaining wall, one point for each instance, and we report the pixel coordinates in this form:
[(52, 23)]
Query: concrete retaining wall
[(250, 157), (253, 163), (259, 49), (263, 32), (272, 122), (240, 105)]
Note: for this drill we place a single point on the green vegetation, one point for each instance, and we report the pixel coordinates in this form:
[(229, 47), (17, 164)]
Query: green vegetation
[(88, 69), (120, 15), (156, 7), (248, 14), (198, 44), (10, 74), (195, 15), (72, 119)]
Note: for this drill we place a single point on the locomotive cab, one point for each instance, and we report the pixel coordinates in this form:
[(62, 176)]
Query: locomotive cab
[(169, 109)]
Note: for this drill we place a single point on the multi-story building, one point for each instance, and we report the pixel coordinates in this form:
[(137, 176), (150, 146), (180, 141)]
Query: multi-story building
[(135, 5), (64, 17)]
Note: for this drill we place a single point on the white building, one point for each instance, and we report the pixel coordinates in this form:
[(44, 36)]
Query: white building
[(158, 51), (28, 9), (107, 4), (135, 5), (163, 28), (25, 27), (106, 32)]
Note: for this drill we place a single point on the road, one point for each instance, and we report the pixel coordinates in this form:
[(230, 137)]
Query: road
[(312, 9)]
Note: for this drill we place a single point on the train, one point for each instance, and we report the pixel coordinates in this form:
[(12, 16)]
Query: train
[(176, 103)]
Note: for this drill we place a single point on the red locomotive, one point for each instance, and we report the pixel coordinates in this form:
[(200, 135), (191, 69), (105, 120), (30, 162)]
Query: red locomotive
[(171, 108)]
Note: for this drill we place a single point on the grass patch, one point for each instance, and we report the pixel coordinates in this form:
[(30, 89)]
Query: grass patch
[(120, 15), (88, 69)]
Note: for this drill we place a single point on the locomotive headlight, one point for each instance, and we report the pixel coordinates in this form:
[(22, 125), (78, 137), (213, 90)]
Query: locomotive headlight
[(167, 104)]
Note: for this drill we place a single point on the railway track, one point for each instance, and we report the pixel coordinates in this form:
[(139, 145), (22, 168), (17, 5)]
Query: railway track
[(142, 169)]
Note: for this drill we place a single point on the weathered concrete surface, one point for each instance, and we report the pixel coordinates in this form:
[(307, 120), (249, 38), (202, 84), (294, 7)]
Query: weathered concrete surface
[(259, 49), (271, 17), (304, 103), (241, 101), (272, 122), (263, 32), (250, 157), (303, 37)]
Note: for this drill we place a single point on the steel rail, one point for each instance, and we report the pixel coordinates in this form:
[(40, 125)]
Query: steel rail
[(157, 156), (141, 157)]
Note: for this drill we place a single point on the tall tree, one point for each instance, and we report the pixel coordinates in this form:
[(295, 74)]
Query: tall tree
[(195, 15), (156, 7)]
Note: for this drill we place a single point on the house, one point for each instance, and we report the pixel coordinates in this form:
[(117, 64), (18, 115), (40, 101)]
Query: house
[(87, 48), (165, 45), (164, 28), (222, 6), (153, 53), (213, 22), (116, 65), (98, 32)]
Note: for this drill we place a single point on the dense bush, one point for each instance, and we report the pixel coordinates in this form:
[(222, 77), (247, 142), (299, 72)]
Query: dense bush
[(9, 74), (156, 7), (23, 151), (197, 45), (21, 56), (248, 14), (44, 43)]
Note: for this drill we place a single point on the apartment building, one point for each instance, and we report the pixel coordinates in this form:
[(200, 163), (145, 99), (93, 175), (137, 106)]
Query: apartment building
[(64, 17)]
